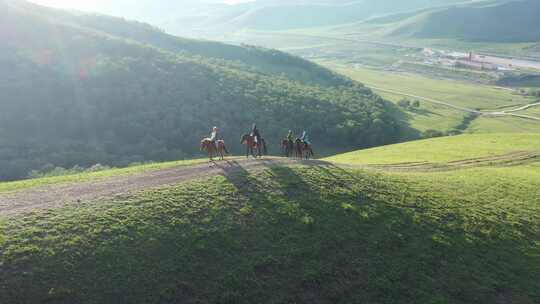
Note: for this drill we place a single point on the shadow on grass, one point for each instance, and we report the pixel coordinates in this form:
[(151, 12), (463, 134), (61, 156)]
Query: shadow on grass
[(281, 235)]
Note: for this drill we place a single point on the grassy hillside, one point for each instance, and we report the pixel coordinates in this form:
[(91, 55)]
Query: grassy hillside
[(290, 234), (442, 118), (218, 20), (444, 149), (258, 59), (77, 94), (514, 21)]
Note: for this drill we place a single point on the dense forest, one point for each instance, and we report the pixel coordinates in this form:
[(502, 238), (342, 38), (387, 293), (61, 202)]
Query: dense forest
[(74, 93)]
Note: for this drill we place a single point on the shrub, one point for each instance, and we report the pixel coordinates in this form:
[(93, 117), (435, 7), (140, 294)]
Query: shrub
[(404, 103), (433, 133)]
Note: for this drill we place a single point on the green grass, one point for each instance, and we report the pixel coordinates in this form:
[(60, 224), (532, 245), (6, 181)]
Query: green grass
[(534, 111), (81, 177), (504, 124), (440, 150), (429, 116), (454, 92), (441, 118), (287, 235)]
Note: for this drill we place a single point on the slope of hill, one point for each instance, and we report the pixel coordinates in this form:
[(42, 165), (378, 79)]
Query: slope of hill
[(73, 94), (443, 149), (281, 15), (263, 60), (317, 233), (514, 21)]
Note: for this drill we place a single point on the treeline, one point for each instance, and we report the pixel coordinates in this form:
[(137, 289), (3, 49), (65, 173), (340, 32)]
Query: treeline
[(72, 97)]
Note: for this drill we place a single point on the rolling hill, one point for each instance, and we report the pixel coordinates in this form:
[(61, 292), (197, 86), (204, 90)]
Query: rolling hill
[(312, 232), (81, 90), (217, 19), (514, 21)]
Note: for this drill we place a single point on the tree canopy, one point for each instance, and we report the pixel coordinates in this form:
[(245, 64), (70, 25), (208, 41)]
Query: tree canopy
[(74, 95)]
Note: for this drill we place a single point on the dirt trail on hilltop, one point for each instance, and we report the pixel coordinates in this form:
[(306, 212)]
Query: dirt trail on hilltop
[(54, 196), (58, 195)]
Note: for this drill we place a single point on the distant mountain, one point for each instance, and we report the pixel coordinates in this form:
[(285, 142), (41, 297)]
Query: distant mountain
[(84, 89), (304, 15), (491, 21), (207, 18)]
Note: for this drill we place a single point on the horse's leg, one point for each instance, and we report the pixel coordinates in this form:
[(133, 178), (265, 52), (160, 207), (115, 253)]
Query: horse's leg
[(291, 149)]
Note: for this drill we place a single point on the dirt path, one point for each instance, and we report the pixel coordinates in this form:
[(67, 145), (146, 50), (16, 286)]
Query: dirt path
[(523, 108), (53, 196)]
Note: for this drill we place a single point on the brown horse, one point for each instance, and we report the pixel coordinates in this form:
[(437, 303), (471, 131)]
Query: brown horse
[(287, 147), (303, 149), (251, 145), (208, 145)]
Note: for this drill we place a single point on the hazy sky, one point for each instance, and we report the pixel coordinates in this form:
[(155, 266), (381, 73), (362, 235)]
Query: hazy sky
[(99, 5)]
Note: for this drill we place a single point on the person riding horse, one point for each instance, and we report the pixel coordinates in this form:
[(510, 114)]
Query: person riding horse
[(287, 144), (214, 145), (254, 141), (213, 136), (305, 138), (255, 133), (303, 146), (290, 137)]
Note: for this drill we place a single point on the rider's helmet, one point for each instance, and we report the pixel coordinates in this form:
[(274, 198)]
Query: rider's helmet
[(214, 129)]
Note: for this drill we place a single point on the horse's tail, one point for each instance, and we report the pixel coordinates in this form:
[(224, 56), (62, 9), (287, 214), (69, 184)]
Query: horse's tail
[(265, 150), (242, 138)]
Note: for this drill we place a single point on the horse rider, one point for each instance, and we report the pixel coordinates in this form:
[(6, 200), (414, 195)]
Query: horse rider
[(290, 137), (305, 138), (255, 134), (213, 136)]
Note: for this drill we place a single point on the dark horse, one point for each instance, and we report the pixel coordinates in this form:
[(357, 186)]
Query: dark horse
[(303, 149), (208, 145), (251, 145), (287, 147)]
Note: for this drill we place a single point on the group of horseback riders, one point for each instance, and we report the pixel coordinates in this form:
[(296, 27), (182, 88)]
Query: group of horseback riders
[(256, 145)]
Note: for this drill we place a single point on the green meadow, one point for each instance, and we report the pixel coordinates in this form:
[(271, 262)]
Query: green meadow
[(439, 117), (445, 149)]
